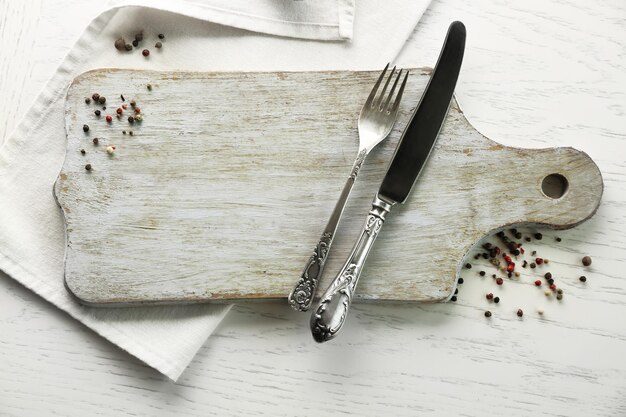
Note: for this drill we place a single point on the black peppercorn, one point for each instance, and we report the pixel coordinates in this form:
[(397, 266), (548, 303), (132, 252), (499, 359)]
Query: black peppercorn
[(130, 132), (87, 100), (133, 103), (520, 313), (538, 236), (123, 132), (120, 43), (460, 281), (161, 36), (559, 296), (547, 275), (550, 281), (482, 273), (587, 260), (85, 128), (453, 298), (487, 313), (518, 235), (527, 239), (88, 167), (149, 87), (533, 265), (158, 45), (135, 43), (97, 113), (468, 265), (82, 151), (102, 100), (496, 300), (95, 96), (95, 141), (128, 47), (558, 239), (583, 279)]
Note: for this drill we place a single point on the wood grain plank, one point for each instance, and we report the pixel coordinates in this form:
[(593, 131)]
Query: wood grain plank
[(223, 203)]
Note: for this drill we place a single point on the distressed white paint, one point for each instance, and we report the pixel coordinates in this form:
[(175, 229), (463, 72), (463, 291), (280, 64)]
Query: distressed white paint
[(228, 181)]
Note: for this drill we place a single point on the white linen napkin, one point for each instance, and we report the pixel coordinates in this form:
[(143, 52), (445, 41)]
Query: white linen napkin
[(197, 38)]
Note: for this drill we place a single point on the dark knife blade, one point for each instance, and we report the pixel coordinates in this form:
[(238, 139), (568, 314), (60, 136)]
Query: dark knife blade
[(420, 135)]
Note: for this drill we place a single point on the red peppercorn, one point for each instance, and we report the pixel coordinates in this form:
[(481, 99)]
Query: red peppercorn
[(124, 106), (538, 283), (109, 119), (553, 287), (119, 110), (497, 250), (510, 267), (489, 296), (539, 261), (507, 258), (499, 281), (137, 109), (521, 250), (145, 52)]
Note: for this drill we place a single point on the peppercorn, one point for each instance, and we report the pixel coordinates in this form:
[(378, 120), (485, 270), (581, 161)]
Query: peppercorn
[(124, 106), (468, 265), (493, 276), (145, 52), (518, 235), (88, 167), (499, 281), (95, 141), (538, 283), (133, 103), (485, 255), (456, 291), (515, 252), (102, 100), (517, 274), (487, 313), (158, 45), (548, 275), (87, 100), (520, 313), (149, 87), (95, 97), (539, 261), (527, 239), (510, 267), (135, 43), (453, 298), (85, 128), (82, 151), (546, 260), (482, 273), (97, 113), (559, 296), (477, 256), (137, 109), (161, 36), (120, 43), (119, 110), (525, 263), (550, 281), (496, 300), (538, 236), (532, 265), (131, 119), (110, 150), (487, 246), (460, 281), (559, 291), (583, 279), (489, 296), (540, 311), (533, 253), (587, 260), (130, 132), (547, 293), (553, 287), (109, 119), (123, 132), (558, 239), (509, 274), (128, 47)]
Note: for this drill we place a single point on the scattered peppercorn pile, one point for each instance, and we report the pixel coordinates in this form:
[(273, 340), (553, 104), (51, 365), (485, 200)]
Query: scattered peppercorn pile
[(123, 46), (505, 257), (124, 113)]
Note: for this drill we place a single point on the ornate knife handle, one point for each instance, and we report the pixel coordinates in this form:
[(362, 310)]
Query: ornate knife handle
[(302, 295), (332, 311)]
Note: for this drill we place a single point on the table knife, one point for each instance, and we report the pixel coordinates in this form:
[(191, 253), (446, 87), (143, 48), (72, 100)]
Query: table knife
[(412, 152)]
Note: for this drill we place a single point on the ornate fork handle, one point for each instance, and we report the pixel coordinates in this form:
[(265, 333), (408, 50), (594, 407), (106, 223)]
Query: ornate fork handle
[(332, 311), (303, 293)]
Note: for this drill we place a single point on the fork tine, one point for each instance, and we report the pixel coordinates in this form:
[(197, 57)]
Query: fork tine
[(396, 102), (382, 94), (395, 84), (370, 99)]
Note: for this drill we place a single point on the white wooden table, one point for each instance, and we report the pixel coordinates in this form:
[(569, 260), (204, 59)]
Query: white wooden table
[(534, 76)]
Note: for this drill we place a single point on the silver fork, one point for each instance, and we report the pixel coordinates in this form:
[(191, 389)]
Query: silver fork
[(377, 117)]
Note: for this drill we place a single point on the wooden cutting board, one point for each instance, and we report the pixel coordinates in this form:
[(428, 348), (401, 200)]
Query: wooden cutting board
[(223, 188)]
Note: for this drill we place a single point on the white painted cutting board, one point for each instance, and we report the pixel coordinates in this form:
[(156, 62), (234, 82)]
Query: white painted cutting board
[(224, 187)]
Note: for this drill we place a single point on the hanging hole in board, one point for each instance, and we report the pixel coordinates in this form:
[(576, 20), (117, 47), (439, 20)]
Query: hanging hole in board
[(554, 185)]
